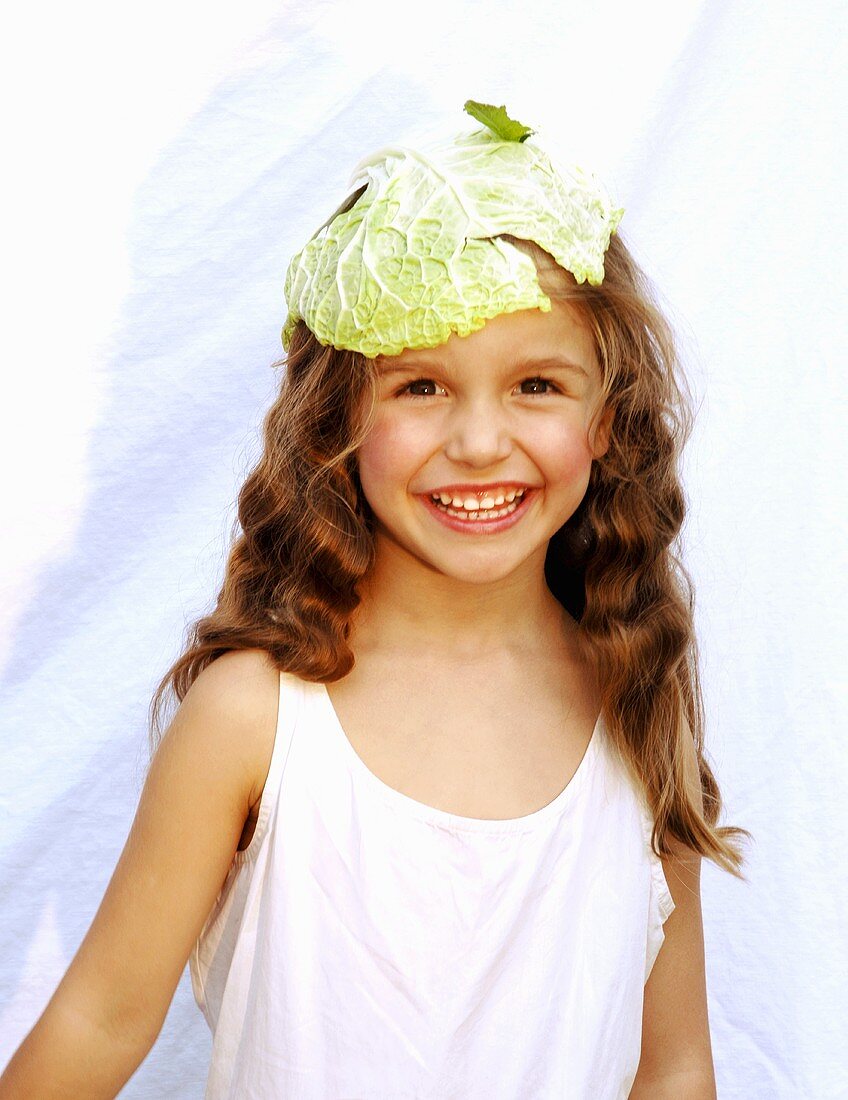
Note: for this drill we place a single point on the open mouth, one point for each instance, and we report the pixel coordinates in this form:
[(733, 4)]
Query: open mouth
[(484, 519), (474, 516)]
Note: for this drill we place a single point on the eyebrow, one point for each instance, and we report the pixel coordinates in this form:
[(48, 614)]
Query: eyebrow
[(548, 362)]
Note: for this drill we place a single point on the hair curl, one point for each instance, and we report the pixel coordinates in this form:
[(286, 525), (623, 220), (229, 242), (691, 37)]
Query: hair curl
[(304, 538)]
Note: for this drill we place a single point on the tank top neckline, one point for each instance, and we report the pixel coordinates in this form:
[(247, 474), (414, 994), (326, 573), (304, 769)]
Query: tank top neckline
[(411, 807)]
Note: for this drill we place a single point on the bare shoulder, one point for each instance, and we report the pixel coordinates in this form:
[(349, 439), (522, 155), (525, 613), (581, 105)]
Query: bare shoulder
[(234, 701)]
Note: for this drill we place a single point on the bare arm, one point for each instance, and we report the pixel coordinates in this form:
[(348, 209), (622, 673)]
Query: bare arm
[(66, 1055), (677, 1061), (110, 1006)]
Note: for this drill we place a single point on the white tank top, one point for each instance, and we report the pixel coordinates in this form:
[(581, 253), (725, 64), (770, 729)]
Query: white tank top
[(365, 945)]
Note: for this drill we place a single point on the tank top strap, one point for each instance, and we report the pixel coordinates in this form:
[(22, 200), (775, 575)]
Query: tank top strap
[(289, 705)]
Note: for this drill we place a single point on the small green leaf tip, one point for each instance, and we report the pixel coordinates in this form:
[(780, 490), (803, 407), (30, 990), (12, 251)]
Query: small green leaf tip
[(498, 121)]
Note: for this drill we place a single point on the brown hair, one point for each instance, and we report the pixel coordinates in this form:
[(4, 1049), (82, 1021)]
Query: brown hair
[(304, 538)]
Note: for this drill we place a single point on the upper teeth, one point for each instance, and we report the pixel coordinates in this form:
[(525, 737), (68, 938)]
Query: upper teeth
[(473, 504)]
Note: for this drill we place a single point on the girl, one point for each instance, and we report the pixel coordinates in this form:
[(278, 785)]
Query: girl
[(434, 796)]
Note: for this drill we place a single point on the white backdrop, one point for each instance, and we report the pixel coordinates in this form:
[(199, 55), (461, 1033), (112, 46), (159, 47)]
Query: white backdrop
[(167, 161)]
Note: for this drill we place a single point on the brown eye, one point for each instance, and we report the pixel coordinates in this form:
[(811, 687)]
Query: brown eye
[(537, 382), (418, 382)]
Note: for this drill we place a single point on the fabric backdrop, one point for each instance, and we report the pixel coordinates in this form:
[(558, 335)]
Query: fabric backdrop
[(167, 162)]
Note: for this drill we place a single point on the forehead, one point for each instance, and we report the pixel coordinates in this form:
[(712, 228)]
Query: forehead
[(559, 339)]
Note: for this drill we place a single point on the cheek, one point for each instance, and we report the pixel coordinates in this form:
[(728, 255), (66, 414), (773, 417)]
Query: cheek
[(391, 453), (563, 453)]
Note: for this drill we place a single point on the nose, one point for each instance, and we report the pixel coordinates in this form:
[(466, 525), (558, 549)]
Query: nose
[(478, 433)]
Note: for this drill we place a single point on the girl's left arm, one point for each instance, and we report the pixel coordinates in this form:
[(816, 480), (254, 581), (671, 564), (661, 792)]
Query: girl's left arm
[(677, 1060)]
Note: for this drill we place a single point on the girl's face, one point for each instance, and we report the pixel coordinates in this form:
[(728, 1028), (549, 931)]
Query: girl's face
[(510, 405)]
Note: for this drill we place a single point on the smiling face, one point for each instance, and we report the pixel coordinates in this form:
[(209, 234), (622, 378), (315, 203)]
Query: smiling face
[(514, 403)]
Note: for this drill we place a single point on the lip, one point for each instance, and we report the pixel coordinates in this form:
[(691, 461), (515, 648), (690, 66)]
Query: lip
[(480, 526)]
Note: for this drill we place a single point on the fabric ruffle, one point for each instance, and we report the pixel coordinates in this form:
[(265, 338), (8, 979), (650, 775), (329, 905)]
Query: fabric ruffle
[(661, 902)]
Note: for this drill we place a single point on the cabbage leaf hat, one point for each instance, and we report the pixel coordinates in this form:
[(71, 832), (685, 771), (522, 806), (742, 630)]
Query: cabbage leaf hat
[(414, 253)]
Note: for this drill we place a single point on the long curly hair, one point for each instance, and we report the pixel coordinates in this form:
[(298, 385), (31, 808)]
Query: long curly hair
[(304, 537)]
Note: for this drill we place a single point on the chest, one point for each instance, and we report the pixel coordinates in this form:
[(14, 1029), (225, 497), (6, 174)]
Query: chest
[(470, 742)]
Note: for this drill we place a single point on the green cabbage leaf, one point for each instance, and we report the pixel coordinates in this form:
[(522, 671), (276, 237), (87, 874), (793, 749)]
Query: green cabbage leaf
[(414, 253)]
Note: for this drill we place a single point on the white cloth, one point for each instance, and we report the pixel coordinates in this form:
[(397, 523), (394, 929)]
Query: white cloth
[(367, 945)]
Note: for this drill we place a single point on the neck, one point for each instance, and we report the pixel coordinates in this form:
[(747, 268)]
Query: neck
[(409, 607)]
